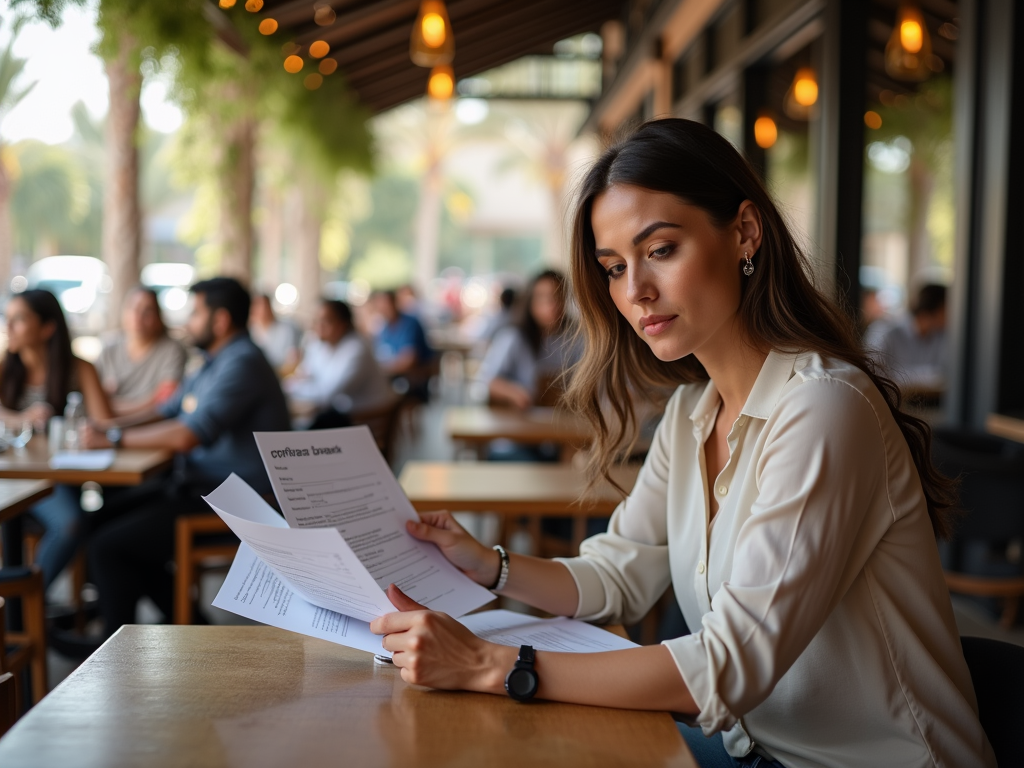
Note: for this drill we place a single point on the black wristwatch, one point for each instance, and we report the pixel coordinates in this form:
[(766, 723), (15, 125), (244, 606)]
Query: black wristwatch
[(521, 683), (114, 436)]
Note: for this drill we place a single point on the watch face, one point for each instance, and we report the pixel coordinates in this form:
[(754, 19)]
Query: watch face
[(522, 683)]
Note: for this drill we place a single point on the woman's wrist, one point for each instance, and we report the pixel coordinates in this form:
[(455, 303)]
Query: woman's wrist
[(495, 663), (487, 574)]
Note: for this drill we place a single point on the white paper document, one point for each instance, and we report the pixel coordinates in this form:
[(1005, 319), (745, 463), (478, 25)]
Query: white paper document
[(252, 589), (337, 478), (559, 634), (87, 460)]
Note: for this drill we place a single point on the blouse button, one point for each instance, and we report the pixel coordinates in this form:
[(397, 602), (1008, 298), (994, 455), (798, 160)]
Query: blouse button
[(723, 489), (700, 567)]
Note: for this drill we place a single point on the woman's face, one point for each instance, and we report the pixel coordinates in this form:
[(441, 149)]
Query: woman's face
[(141, 316), (546, 305), (25, 329), (672, 273)]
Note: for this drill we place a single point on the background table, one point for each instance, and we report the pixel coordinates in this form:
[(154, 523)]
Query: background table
[(16, 496), (477, 425), (513, 489), (255, 697), (130, 467), (1005, 426)]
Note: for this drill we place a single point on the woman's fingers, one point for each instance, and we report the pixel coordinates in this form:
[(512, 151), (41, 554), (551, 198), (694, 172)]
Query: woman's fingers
[(402, 601)]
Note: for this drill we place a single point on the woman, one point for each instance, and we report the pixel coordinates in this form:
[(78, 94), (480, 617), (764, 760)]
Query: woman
[(278, 339), (524, 359), (39, 370), (786, 498), (141, 366)]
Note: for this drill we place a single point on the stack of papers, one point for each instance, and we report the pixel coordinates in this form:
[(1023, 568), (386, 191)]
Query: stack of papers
[(322, 570)]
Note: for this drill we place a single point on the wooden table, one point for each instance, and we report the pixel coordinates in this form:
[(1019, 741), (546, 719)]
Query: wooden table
[(512, 489), (16, 496), (255, 697), (130, 467), (477, 425), (1005, 426)]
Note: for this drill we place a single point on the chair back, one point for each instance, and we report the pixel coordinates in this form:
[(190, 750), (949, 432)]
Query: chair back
[(3, 637), (383, 423), (997, 670), (991, 472), (8, 702)]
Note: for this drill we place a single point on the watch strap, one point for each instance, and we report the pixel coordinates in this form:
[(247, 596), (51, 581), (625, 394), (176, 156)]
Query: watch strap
[(499, 584)]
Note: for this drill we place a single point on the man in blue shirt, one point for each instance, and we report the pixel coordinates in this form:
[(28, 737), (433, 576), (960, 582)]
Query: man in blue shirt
[(401, 345), (208, 423)]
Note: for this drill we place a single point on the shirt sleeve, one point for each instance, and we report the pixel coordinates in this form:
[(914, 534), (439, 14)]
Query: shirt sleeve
[(171, 407), (227, 403), (622, 573), (172, 366), (338, 375), (807, 538), (499, 362)]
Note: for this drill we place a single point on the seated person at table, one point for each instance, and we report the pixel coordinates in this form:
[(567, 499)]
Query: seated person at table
[(39, 370), (141, 365), (279, 339), (789, 502), (209, 424), (525, 360), (338, 370), (913, 350), (401, 343)]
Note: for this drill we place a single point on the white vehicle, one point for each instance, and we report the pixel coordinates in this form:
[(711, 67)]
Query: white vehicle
[(81, 285), (171, 282)]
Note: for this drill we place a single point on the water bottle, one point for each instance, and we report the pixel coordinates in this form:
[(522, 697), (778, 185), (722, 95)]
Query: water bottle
[(74, 418)]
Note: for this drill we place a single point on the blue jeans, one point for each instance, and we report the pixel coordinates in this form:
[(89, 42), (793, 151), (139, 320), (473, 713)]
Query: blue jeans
[(709, 751), (63, 522)]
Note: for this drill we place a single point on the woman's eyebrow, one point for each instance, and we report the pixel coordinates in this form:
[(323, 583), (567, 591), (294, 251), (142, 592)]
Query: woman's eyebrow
[(650, 229)]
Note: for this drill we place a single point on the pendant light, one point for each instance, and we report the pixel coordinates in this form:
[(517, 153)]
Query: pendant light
[(910, 46), (432, 41), (766, 133), (802, 94), (441, 85)]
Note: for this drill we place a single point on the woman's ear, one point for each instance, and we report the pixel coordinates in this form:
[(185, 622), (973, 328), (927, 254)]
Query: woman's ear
[(748, 224)]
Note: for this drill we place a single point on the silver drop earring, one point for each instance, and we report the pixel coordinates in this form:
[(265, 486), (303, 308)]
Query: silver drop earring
[(748, 266)]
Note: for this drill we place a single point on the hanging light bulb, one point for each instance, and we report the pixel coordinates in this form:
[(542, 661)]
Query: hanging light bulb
[(802, 94), (432, 41), (766, 133), (909, 50), (441, 85)]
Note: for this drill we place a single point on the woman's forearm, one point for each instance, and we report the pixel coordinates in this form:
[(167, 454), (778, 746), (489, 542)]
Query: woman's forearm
[(637, 678), (542, 583)]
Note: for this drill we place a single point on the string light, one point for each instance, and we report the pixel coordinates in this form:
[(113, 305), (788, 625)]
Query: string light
[(328, 66), (254, 6), (766, 133), (268, 26), (324, 15), (802, 94), (319, 49), (227, 3), (441, 85), (872, 120), (432, 42), (313, 81), (293, 64)]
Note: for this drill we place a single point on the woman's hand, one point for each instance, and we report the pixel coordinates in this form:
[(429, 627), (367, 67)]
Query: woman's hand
[(462, 550), (38, 414), (435, 650)]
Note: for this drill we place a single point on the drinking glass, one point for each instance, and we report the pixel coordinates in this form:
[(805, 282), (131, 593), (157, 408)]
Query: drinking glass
[(17, 433)]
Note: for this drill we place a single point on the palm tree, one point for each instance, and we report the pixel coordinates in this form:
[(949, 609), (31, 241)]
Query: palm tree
[(10, 96)]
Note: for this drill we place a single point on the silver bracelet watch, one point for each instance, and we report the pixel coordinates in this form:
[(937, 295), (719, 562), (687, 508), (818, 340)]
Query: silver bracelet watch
[(502, 570)]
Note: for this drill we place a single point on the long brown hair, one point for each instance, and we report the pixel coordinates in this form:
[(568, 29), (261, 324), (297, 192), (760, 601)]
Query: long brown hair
[(60, 361), (779, 308)]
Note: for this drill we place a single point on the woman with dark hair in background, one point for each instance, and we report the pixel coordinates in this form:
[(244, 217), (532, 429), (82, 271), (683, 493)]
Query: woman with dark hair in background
[(140, 366), (525, 359), (787, 498), (39, 371)]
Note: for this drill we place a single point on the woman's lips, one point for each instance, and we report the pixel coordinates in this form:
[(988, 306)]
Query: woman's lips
[(652, 325)]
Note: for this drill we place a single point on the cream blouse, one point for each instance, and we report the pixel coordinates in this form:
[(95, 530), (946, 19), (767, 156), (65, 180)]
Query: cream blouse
[(822, 629)]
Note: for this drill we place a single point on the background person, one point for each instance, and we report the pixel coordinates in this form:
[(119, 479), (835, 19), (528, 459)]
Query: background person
[(39, 370), (526, 358), (401, 343), (141, 365), (279, 339), (914, 350), (209, 424), (338, 369), (790, 503)]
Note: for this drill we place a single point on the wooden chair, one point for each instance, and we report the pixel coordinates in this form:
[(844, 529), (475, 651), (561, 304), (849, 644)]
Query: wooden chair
[(27, 648), (8, 702), (202, 541), (76, 569), (383, 422)]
